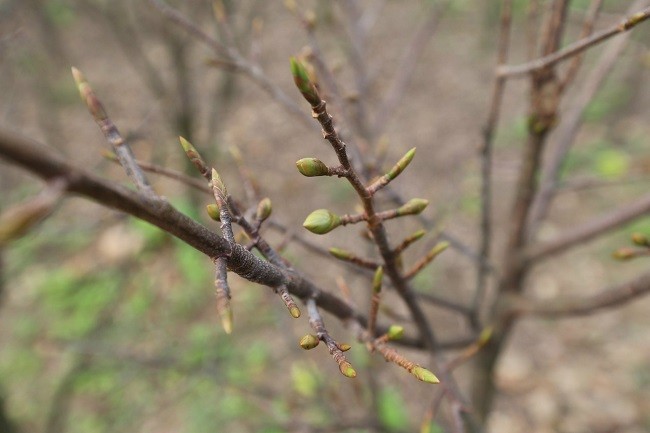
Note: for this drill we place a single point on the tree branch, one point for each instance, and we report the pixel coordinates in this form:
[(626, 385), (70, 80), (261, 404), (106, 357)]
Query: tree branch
[(590, 230), (564, 308), (575, 48)]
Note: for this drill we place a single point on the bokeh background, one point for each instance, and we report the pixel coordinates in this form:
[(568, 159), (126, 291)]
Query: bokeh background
[(108, 324)]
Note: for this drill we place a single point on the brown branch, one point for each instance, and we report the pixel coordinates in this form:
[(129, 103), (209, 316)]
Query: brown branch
[(233, 57), (587, 29), (571, 122), (165, 172), (576, 47), (590, 230), (612, 297), (44, 163), (486, 162), (120, 146)]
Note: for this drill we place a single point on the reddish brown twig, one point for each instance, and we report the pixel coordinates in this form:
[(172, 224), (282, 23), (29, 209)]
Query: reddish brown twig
[(316, 322), (113, 136)]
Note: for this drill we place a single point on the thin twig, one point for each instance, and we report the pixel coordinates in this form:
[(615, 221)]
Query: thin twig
[(576, 47), (570, 124), (165, 172), (590, 230), (486, 163), (113, 136), (587, 29), (612, 297), (233, 57)]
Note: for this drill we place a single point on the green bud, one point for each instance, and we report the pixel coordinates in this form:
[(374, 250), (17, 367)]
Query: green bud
[(413, 207), (340, 254), (194, 156), (624, 253), (417, 235), (401, 164), (376, 281), (424, 375), (213, 211), (304, 84), (217, 182), (347, 370), (309, 341), (88, 96), (321, 221), (344, 347), (226, 319), (437, 249), (295, 312), (395, 332), (485, 336), (311, 167), (640, 239), (264, 209)]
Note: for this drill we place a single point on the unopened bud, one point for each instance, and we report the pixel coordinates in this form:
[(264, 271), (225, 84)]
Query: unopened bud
[(395, 332), (424, 375), (303, 82), (401, 164), (309, 341), (624, 253), (344, 347), (347, 370), (217, 182), (340, 254), (640, 239), (213, 211), (311, 167), (321, 221), (413, 207), (264, 209)]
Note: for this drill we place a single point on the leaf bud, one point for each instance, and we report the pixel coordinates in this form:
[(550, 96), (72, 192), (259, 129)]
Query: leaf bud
[(264, 209), (213, 211), (309, 341), (395, 332), (640, 239), (413, 207), (344, 347), (340, 254), (424, 375), (624, 253), (311, 167), (321, 221), (347, 370)]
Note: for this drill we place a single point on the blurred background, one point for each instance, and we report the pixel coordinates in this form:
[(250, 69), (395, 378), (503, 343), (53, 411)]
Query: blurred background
[(108, 325)]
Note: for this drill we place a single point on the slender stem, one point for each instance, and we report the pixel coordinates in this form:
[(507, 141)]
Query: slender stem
[(566, 308), (576, 47), (590, 230), (486, 164)]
